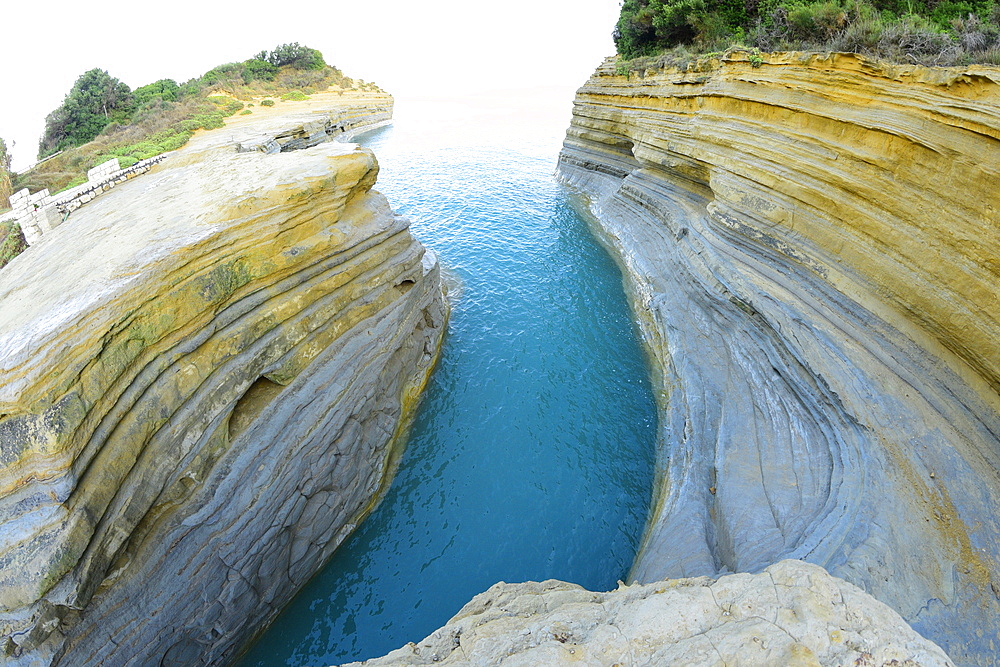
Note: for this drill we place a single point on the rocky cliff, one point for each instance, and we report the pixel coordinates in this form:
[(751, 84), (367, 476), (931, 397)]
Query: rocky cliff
[(811, 246), (792, 613), (204, 377)]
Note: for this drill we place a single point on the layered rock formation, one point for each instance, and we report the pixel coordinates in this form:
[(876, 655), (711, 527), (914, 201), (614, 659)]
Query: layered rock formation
[(792, 613), (811, 244), (205, 375)]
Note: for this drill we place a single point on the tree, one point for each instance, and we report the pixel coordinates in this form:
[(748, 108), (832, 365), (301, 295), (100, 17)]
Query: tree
[(647, 26), (95, 100), (299, 57)]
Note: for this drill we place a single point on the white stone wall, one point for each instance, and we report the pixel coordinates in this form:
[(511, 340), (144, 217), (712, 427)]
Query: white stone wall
[(40, 212), (102, 171), (30, 211)]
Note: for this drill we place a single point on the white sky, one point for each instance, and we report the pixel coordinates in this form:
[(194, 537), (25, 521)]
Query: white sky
[(415, 48)]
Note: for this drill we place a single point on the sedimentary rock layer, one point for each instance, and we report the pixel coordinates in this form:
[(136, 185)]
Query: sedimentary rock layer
[(792, 613), (341, 122), (811, 245), (204, 376)]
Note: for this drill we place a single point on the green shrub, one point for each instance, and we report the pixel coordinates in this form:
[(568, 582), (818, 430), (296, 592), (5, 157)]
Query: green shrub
[(209, 121), (924, 31), (819, 21), (246, 112), (165, 90), (267, 103), (11, 242), (709, 28), (175, 142), (299, 57), (223, 73), (258, 69), (295, 96)]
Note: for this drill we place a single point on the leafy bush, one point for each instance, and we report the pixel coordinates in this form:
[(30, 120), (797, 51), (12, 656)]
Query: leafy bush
[(165, 90), (299, 57), (267, 103), (12, 242), (6, 187), (223, 73), (295, 96), (820, 21), (923, 31), (258, 69)]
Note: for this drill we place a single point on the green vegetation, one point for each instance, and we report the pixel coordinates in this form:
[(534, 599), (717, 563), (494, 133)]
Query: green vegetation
[(101, 118), (96, 100), (11, 242), (6, 187), (930, 32), (299, 57)]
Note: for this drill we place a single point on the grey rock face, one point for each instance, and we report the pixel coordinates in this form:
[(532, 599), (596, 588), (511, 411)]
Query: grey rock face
[(808, 407)]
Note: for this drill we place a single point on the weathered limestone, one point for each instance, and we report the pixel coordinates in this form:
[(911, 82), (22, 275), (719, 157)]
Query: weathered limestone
[(792, 613), (205, 374), (339, 124), (812, 247)]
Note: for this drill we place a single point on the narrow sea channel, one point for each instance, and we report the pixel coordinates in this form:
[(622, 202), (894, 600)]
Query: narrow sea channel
[(532, 452)]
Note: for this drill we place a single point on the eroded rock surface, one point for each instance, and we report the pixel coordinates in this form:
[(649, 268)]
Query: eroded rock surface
[(811, 246), (204, 376), (792, 613)]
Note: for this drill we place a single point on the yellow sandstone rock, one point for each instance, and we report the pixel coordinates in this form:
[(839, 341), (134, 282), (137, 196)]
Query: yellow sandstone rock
[(204, 374), (811, 246)]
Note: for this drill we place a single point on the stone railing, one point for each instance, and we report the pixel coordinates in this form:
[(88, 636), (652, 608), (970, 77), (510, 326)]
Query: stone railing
[(40, 212)]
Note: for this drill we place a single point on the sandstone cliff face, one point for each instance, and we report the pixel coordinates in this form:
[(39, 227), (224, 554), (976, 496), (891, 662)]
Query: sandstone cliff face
[(812, 247), (792, 613), (204, 376)]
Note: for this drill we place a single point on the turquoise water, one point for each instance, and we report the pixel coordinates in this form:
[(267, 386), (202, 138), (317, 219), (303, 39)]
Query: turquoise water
[(532, 452)]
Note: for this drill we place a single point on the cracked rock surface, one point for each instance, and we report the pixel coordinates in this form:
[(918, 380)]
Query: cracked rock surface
[(792, 613)]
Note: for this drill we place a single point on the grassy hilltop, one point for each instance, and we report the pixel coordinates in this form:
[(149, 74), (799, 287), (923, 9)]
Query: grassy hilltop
[(101, 118)]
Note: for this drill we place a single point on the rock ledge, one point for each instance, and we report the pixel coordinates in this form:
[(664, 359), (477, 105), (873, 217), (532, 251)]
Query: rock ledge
[(792, 613)]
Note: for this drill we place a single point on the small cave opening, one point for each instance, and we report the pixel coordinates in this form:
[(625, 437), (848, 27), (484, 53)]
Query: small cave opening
[(251, 404), (404, 286)]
